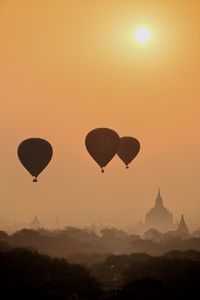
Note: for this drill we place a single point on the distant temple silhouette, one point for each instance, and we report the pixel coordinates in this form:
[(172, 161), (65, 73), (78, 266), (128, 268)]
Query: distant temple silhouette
[(182, 227), (161, 219), (35, 223)]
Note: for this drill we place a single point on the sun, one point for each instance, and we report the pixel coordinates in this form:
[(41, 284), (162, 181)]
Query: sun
[(142, 35)]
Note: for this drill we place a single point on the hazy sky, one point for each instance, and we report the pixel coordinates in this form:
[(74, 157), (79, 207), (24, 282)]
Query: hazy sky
[(67, 67)]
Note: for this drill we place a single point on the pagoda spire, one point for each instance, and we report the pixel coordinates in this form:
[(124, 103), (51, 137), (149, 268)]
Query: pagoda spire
[(182, 227), (159, 200)]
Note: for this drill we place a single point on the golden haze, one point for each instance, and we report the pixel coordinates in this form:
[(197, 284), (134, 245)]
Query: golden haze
[(67, 67)]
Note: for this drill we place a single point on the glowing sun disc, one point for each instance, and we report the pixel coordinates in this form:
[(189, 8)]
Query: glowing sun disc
[(142, 35)]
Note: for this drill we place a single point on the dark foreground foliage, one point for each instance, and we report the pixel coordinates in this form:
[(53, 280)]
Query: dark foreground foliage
[(26, 274), (29, 275), (175, 275)]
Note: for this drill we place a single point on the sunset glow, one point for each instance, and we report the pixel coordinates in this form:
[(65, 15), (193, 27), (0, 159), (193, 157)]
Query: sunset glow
[(68, 67), (142, 35)]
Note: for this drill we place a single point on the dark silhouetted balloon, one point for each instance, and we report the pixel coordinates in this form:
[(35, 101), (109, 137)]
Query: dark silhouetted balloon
[(102, 144), (35, 154), (128, 149)]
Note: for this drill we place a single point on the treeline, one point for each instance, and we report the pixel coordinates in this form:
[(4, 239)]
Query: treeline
[(86, 247), (26, 274), (174, 266), (175, 275)]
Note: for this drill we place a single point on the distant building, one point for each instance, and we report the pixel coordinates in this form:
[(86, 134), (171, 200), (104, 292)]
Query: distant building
[(159, 217), (182, 227), (181, 231), (35, 223)]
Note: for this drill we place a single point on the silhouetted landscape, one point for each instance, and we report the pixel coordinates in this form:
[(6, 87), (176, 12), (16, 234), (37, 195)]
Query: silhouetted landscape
[(29, 274), (109, 263), (73, 241), (79, 264), (158, 259)]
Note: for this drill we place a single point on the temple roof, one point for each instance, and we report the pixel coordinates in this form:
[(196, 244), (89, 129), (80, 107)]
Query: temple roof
[(159, 200), (35, 221), (159, 209), (182, 227)]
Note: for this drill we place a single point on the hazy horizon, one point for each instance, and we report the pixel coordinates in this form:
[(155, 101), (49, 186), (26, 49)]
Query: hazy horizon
[(60, 222), (70, 66)]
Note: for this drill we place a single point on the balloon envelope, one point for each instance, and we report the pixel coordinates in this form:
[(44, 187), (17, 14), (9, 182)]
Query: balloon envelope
[(128, 149), (102, 144), (35, 154)]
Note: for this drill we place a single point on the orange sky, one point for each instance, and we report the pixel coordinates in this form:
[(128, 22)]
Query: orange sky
[(67, 67)]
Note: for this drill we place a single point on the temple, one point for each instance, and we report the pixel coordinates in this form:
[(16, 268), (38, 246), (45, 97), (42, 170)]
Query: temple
[(159, 217), (35, 223), (182, 227)]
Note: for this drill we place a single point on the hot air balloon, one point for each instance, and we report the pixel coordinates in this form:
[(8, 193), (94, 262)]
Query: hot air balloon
[(128, 149), (35, 154), (102, 144)]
